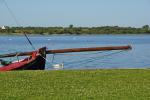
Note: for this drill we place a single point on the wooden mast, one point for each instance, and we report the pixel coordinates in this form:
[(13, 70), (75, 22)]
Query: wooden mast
[(70, 50)]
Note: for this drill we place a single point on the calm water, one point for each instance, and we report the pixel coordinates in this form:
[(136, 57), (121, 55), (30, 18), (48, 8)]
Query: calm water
[(138, 57)]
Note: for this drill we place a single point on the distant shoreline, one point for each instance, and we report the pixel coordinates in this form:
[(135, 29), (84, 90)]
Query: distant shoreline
[(71, 30), (22, 34)]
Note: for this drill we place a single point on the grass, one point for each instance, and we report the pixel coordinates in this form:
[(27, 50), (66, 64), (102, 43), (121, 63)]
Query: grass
[(113, 84)]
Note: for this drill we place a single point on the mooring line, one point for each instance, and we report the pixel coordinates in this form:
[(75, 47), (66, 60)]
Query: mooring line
[(17, 22)]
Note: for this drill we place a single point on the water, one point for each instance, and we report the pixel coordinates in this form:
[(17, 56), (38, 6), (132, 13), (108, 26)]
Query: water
[(138, 57)]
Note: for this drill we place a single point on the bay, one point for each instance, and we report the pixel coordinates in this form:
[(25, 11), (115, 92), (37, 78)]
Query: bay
[(138, 57)]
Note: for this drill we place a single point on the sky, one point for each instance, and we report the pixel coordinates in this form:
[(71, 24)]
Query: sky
[(80, 13)]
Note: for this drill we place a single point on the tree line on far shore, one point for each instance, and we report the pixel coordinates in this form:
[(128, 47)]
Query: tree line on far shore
[(76, 30)]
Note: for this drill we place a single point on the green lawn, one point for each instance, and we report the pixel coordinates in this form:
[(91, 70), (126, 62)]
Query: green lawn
[(113, 84)]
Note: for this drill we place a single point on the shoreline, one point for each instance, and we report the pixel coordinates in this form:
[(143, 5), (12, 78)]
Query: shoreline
[(21, 34)]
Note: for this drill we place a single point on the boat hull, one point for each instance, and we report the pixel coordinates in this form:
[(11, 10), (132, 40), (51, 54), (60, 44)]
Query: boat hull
[(35, 62)]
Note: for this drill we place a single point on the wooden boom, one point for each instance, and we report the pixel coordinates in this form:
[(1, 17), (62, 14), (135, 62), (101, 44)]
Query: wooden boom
[(88, 49), (70, 50)]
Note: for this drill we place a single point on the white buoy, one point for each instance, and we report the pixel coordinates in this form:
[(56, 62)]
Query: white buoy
[(58, 66)]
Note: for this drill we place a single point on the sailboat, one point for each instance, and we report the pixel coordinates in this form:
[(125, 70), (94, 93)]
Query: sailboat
[(36, 59)]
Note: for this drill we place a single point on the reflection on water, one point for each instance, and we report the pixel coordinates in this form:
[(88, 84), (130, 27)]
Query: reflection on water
[(138, 57)]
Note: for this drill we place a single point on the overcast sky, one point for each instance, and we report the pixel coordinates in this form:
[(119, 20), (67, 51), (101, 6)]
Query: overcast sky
[(134, 13)]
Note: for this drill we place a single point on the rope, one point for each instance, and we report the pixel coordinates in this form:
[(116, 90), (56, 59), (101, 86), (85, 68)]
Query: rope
[(16, 21), (93, 59), (53, 58), (89, 55), (87, 58)]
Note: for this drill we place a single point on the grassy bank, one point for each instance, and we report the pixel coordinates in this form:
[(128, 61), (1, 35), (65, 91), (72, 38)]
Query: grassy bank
[(126, 84)]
